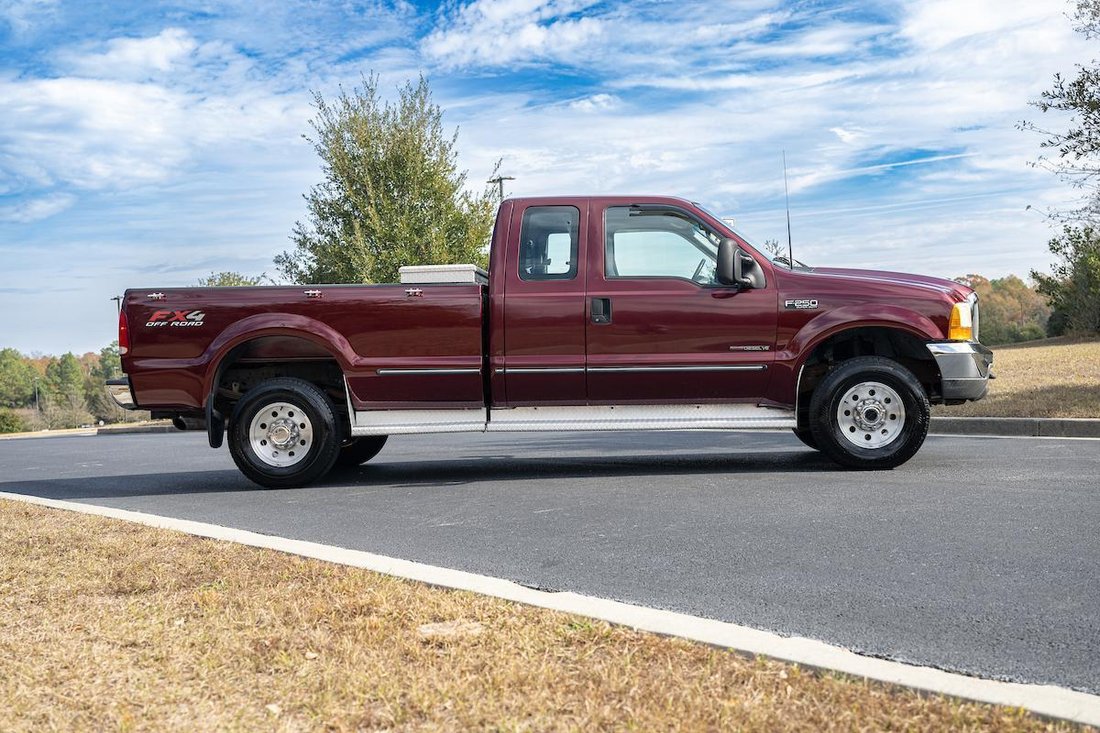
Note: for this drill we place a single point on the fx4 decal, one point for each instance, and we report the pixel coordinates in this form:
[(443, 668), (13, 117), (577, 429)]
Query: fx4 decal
[(176, 318)]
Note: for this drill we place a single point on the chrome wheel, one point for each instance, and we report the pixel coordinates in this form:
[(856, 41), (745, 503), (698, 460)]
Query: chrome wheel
[(281, 434), (871, 415)]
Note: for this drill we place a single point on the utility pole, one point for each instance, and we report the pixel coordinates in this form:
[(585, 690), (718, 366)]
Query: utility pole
[(36, 407), (499, 180), (118, 302)]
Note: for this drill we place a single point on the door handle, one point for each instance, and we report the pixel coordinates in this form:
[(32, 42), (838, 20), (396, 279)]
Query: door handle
[(601, 310)]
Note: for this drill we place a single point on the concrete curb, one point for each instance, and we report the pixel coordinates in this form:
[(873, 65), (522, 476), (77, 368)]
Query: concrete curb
[(1046, 700), (1029, 427), (89, 432)]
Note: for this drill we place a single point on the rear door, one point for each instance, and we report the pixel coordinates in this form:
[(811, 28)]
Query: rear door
[(544, 304), (660, 328)]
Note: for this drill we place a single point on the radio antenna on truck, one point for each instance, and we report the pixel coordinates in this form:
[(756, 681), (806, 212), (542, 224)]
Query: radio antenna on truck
[(787, 198)]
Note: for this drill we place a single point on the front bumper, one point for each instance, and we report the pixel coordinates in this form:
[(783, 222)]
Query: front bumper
[(120, 392), (964, 368)]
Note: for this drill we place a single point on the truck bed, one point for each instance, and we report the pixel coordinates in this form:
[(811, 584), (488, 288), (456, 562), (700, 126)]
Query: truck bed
[(399, 346)]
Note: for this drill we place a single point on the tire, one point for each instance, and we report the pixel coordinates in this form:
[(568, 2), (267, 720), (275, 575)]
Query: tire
[(358, 451), (891, 421), (806, 436), (283, 434)]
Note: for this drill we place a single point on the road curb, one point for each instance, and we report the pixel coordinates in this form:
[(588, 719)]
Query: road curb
[(1028, 427), (89, 432), (1046, 700)]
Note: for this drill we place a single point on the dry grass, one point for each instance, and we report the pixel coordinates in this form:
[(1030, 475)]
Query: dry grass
[(1049, 378), (106, 625)]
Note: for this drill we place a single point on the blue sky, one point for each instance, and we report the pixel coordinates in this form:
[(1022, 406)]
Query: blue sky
[(147, 144)]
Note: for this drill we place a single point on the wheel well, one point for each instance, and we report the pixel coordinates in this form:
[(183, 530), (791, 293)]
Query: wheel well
[(270, 357), (891, 343)]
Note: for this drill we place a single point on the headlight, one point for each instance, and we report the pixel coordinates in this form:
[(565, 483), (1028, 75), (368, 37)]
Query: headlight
[(964, 320)]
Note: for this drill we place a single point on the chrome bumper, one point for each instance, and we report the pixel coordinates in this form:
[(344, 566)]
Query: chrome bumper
[(120, 392), (964, 368)]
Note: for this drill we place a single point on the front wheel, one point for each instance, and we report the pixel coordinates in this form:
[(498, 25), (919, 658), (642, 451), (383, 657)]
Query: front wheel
[(283, 434), (869, 413)]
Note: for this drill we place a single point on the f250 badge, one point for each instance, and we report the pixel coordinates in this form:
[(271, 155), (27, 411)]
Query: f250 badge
[(801, 304), (176, 318)]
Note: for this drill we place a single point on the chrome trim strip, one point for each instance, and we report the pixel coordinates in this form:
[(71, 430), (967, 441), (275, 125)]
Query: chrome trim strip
[(957, 347), (399, 372), (693, 368), (540, 370)]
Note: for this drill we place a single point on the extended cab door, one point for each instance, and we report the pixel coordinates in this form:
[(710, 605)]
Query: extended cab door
[(544, 304), (660, 328)]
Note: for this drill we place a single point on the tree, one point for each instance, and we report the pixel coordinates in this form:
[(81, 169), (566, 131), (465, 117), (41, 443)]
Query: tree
[(1011, 310), (1077, 150), (392, 194), (1073, 287), (110, 364), (229, 279), (16, 379), (10, 422)]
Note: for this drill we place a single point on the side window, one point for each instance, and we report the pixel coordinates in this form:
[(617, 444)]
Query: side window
[(548, 243), (658, 243)]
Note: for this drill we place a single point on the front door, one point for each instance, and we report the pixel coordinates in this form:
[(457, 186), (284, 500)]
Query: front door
[(660, 328)]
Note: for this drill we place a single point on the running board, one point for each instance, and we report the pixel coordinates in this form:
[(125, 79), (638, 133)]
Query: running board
[(589, 417)]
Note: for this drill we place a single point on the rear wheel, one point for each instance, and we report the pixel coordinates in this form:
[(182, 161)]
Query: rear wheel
[(283, 434), (357, 451), (869, 413)]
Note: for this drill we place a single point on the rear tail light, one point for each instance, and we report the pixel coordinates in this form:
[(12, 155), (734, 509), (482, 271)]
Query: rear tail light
[(123, 334)]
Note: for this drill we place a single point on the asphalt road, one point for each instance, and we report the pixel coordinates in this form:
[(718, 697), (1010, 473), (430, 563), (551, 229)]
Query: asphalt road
[(981, 555)]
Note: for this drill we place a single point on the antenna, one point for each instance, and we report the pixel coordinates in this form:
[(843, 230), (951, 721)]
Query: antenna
[(787, 197)]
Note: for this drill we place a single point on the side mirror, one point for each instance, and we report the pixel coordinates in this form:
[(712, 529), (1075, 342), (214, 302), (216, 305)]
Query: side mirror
[(727, 262), (732, 262)]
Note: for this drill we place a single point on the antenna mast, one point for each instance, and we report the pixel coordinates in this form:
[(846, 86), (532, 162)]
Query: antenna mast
[(787, 197)]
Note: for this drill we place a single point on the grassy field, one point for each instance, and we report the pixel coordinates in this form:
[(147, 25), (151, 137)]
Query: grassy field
[(1049, 378), (106, 625)]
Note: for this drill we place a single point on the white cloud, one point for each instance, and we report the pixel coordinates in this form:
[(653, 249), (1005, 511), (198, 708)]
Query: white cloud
[(594, 103), (512, 32), (130, 58), (31, 210), (21, 15)]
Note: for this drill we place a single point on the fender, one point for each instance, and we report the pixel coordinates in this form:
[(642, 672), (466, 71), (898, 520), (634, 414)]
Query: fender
[(790, 360), (258, 326)]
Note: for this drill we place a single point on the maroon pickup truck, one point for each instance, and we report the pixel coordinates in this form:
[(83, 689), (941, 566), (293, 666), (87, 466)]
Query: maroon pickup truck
[(597, 313)]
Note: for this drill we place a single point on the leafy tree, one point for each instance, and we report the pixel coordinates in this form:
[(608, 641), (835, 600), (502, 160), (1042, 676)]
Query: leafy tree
[(1073, 286), (16, 379), (1077, 150), (10, 422), (65, 377), (1011, 310), (392, 194), (230, 279), (109, 365)]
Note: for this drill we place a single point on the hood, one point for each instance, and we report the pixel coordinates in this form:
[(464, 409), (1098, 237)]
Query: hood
[(958, 290)]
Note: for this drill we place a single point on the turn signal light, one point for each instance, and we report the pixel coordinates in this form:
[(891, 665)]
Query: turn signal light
[(961, 327), (123, 334)]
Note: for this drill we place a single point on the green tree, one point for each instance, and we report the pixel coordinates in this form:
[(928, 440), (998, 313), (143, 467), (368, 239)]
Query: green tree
[(109, 365), (1076, 151), (392, 194), (16, 379), (65, 377), (230, 279), (1073, 287), (10, 422)]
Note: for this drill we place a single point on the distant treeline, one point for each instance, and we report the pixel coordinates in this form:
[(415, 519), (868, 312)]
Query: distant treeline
[(39, 392)]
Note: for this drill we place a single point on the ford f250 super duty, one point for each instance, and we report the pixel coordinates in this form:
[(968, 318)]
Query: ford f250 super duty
[(597, 313)]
